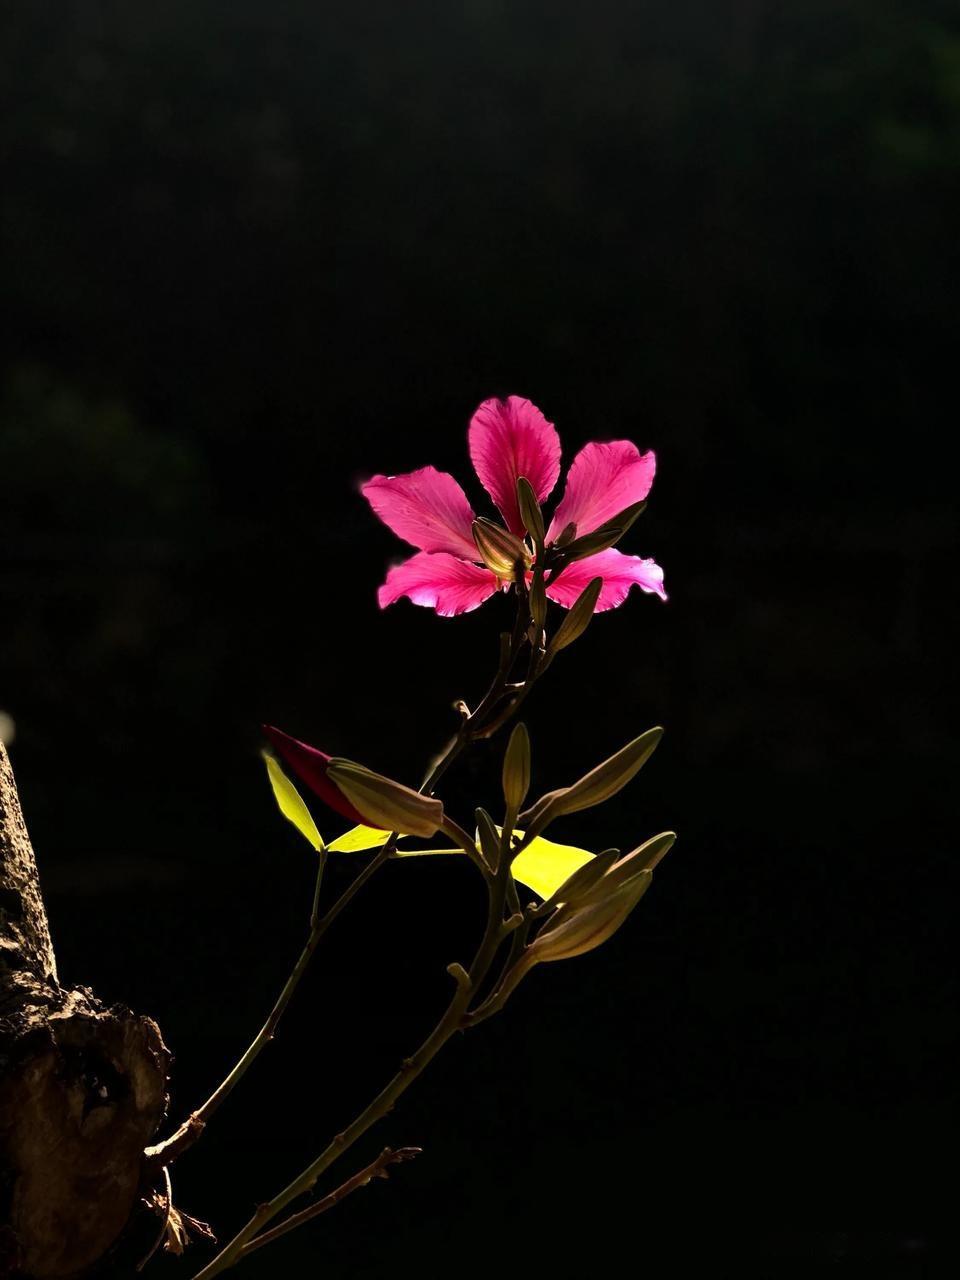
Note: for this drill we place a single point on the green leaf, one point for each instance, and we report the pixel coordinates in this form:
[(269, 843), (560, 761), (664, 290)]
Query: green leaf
[(359, 838), (544, 866), (291, 805)]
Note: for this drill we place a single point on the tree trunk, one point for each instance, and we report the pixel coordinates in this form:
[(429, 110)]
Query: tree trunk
[(82, 1088)]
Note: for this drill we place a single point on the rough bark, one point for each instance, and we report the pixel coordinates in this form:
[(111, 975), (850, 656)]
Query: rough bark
[(82, 1088)]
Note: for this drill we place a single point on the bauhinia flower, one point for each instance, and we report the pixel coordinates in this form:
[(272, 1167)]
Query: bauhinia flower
[(461, 562)]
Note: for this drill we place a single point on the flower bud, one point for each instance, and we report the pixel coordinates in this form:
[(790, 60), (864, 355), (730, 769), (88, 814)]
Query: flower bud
[(538, 600), (578, 617), (488, 837), (646, 857), (384, 803), (530, 512), (596, 786), (575, 930), (575, 888), (500, 550), (566, 535), (310, 766), (591, 543), (516, 769), (605, 535)]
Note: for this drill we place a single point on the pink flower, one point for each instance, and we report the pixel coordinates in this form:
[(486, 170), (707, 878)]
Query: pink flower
[(508, 439)]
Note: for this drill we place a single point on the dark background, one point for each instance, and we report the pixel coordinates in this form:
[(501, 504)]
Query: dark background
[(255, 252)]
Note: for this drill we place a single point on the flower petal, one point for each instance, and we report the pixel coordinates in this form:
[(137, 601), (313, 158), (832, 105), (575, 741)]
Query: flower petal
[(440, 581), (508, 439), (427, 508), (619, 574), (603, 480)]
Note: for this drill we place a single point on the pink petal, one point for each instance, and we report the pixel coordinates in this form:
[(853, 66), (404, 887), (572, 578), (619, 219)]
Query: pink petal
[(603, 480), (508, 439), (441, 581), (619, 574), (427, 508)]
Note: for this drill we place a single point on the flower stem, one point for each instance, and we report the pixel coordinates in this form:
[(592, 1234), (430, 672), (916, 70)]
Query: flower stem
[(456, 1016), (377, 1169), (410, 1069), (164, 1153)]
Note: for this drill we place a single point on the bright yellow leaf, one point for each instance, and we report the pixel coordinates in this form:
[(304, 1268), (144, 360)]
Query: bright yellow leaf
[(291, 804), (359, 838), (543, 866), (425, 853)]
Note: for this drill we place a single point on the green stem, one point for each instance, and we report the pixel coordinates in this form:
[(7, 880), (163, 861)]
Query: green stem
[(456, 1015), (453, 1019), (164, 1153)]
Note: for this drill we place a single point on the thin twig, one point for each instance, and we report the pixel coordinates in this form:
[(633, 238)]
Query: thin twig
[(377, 1169), (172, 1148), (166, 1220), (455, 1018)]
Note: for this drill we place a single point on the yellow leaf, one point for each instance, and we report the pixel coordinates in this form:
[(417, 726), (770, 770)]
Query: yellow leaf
[(291, 804), (359, 838), (425, 853), (543, 866)]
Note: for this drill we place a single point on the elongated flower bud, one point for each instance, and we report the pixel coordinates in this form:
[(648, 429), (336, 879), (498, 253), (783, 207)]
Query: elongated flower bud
[(530, 512), (582, 928), (596, 786), (489, 838), (310, 766), (386, 804), (578, 618), (538, 600), (566, 535), (591, 543), (516, 769), (576, 887), (592, 905), (500, 550), (622, 520), (646, 857), (605, 535)]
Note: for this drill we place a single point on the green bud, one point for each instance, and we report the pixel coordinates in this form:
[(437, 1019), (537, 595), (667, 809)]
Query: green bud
[(578, 885), (516, 769), (538, 599), (578, 617), (383, 803), (645, 857), (623, 519), (591, 543), (489, 838), (596, 786), (567, 534), (605, 535), (500, 550), (577, 929), (530, 512)]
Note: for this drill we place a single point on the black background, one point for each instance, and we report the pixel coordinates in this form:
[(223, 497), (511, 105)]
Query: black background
[(255, 252)]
